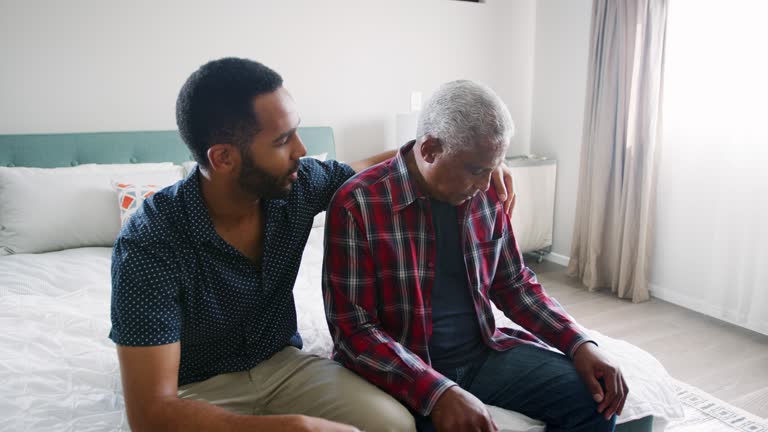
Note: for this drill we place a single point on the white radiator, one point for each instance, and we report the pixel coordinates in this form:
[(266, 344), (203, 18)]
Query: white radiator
[(534, 214)]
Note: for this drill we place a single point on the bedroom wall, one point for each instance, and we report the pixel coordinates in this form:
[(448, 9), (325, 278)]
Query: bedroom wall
[(559, 88), (91, 65)]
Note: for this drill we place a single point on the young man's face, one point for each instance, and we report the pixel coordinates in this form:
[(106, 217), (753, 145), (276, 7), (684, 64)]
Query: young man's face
[(270, 164), (457, 177)]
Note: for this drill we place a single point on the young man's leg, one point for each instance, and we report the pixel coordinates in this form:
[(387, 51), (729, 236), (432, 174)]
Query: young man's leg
[(231, 391), (294, 382), (323, 388), (540, 384)]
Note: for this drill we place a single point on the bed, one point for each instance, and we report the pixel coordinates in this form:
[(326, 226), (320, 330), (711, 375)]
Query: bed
[(58, 369)]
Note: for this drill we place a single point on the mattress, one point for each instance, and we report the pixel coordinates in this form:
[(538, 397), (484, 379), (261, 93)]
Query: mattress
[(59, 370)]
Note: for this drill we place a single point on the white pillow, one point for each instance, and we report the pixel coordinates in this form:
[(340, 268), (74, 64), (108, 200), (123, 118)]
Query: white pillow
[(48, 209), (188, 167)]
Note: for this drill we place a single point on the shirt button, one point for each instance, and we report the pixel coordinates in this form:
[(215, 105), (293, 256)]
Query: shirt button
[(431, 264)]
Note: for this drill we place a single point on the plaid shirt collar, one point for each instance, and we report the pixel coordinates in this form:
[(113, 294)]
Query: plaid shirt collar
[(402, 185)]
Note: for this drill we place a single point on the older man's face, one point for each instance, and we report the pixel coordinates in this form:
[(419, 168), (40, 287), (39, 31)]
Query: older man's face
[(455, 178)]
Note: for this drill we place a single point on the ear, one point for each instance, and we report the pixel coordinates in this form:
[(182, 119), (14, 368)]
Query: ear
[(223, 158), (430, 148)]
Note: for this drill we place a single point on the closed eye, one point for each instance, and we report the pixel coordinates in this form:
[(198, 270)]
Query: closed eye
[(479, 171)]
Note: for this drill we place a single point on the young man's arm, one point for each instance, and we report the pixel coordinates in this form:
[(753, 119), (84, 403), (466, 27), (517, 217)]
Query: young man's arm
[(362, 164), (501, 179), (150, 385)]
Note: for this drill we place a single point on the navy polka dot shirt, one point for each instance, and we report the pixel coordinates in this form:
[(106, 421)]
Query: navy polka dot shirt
[(175, 280)]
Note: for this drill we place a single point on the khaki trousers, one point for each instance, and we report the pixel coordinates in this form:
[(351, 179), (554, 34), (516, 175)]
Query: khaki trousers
[(294, 382)]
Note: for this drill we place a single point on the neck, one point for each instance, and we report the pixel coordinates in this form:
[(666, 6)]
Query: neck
[(414, 166), (225, 200)]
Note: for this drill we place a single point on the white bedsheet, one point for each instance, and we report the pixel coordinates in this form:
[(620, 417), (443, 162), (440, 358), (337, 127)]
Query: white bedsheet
[(59, 371)]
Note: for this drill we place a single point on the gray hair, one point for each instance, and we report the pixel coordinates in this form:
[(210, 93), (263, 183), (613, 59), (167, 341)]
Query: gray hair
[(462, 112)]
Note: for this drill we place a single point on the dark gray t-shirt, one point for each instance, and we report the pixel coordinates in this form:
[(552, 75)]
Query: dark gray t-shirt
[(456, 338)]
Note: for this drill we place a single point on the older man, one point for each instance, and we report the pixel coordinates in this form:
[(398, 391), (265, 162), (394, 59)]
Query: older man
[(418, 248)]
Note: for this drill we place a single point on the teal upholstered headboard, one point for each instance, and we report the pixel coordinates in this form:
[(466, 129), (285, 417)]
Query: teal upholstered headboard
[(72, 149)]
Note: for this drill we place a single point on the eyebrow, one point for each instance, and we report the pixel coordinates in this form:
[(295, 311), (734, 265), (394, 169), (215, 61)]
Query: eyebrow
[(286, 134), (479, 168)]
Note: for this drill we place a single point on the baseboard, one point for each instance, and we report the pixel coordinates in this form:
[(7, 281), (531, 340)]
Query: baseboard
[(697, 305), (557, 258)]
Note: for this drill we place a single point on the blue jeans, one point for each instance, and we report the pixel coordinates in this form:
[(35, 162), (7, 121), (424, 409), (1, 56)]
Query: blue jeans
[(533, 381)]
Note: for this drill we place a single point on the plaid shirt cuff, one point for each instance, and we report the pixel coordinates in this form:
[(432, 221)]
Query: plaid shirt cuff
[(579, 339), (434, 385)]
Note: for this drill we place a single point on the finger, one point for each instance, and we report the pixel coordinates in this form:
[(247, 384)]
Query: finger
[(626, 393), (487, 424), (507, 206), (610, 391), (498, 184), (511, 202), (614, 407), (595, 389), (509, 183), (493, 427)]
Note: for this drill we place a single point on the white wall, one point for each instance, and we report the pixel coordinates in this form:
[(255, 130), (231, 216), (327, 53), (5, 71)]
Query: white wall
[(560, 82), (94, 65)]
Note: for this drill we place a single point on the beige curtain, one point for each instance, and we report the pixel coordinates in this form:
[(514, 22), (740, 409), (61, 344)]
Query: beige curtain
[(613, 233)]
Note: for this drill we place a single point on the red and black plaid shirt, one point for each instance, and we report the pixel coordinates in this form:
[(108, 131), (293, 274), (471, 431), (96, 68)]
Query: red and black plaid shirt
[(378, 275)]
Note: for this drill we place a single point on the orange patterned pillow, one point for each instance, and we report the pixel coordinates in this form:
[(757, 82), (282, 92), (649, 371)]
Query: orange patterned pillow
[(130, 197)]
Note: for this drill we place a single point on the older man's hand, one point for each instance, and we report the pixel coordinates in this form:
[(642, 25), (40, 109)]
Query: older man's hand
[(592, 366), (457, 410)]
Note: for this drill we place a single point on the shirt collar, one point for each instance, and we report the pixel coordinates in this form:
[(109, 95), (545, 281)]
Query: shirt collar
[(403, 186), (200, 222)]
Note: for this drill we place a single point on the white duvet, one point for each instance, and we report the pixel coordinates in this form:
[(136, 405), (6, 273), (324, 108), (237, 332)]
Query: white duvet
[(59, 371)]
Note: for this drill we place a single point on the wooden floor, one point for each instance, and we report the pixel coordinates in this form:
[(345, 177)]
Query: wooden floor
[(724, 360)]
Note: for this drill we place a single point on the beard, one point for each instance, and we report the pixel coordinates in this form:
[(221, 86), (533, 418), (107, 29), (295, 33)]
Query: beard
[(259, 183)]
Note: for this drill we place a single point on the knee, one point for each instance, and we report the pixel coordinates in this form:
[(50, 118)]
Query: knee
[(583, 414), (388, 415), (584, 417), (588, 419)]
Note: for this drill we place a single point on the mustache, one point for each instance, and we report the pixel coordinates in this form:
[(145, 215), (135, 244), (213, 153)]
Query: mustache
[(295, 169)]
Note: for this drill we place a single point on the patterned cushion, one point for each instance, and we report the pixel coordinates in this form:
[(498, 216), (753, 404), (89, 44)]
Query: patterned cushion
[(130, 197)]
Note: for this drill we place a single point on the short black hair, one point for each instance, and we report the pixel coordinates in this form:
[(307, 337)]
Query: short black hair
[(215, 104)]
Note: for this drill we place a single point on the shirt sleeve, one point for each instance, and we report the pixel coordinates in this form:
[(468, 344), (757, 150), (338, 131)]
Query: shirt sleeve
[(325, 178), (351, 300), (517, 292), (145, 295)]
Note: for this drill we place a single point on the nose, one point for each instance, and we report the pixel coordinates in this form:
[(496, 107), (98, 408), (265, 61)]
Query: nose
[(299, 150), (484, 183)]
